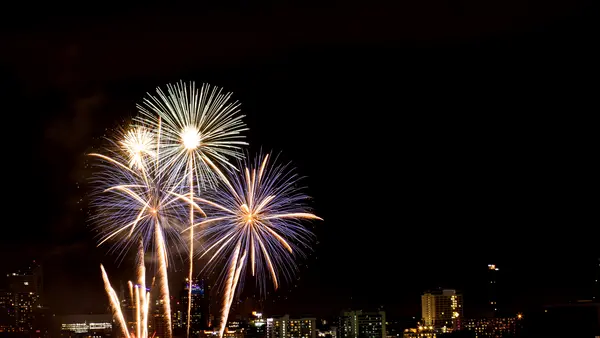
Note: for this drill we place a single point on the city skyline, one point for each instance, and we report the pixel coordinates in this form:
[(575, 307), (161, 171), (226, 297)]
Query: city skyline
[(490, 303), (442, 312), (449, 192)]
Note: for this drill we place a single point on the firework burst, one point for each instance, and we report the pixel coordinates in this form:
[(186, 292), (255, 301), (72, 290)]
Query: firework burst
[(201, 129), (137, 202), (255, 221), (132, 195), (155, 181)]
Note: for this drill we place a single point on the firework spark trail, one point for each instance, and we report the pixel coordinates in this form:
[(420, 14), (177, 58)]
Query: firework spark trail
[(130, 285), (229, 289), (114, 302), (164, 282), (138, 311), (139, 297), (146, 308), (143, 300), (191, 272), (199, 127), (136, 198), (257, 214)]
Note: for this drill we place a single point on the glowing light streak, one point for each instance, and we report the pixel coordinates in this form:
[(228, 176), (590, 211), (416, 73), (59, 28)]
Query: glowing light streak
[(139, 298), (164, 281), (114, 302)]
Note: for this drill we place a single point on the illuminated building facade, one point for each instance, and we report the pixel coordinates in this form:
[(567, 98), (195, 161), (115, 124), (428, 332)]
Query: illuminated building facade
[(359, 324), (177, 315), (442, 310), (285, 327), (418, 333), (492, 290), (159, 326), (234, 334), (86, 326), (492, 327), (234, 325), (226, 334), (257, 326), (330, 333), (25, 290), (7, 312), (200, 310)]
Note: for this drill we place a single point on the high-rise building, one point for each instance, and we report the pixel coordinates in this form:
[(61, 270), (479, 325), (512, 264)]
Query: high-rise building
[(177, 317), (160, 325), (492, 303), (442, 309), (26, 289), (7, 312), (200, 305), (359, 324), (285, 327)]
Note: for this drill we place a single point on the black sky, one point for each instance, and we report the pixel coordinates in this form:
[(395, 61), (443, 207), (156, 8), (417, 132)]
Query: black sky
[(436, 137)]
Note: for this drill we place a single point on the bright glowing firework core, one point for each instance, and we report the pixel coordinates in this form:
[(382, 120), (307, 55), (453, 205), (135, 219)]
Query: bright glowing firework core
[(138, 143), (190, 138), (200, 125)]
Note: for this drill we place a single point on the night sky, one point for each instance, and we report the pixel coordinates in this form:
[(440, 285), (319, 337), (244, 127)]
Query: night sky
[(435, 137)]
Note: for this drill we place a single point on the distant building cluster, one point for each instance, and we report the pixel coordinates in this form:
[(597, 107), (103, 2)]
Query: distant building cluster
[(350, 324), (493, 327), (359, 324), (86, 326), (286, 327), (21, 306), (443, 314), (22, 314)]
